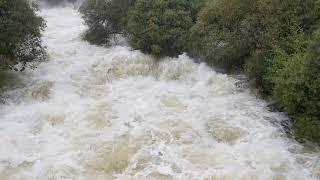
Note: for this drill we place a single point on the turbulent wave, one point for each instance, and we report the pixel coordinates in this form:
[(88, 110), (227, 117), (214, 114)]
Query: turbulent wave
[(97, 113)]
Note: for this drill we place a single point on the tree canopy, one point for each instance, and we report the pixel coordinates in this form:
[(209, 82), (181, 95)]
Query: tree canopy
[(274, 42), (105, 19), (160, 27), (20, 34)]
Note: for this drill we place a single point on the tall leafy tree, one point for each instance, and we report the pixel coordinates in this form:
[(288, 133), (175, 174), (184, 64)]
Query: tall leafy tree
[(295, 74), (105, 18), (161, 27), (234, 32), (20, 34)]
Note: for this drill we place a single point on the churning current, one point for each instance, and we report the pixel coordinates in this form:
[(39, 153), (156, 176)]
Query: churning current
[(94, 113)]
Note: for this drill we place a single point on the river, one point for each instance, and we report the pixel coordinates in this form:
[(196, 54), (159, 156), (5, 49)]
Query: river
[(112, 113)]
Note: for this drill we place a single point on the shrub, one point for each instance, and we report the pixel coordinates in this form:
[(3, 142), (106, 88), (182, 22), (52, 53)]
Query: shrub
[(235, 32), (307, 128), (295, 74), (271, 40), (312, 74), (161, 27)]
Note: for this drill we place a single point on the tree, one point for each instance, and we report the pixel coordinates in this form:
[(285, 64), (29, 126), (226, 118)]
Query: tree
[(105, 18), (20, 34), (238, 32), (160, 27), (295, 73), (272, 41)]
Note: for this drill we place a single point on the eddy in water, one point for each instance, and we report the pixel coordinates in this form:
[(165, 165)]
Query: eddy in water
[(98, 113)]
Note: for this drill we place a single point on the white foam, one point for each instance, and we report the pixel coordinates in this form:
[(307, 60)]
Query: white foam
[(112, 113)]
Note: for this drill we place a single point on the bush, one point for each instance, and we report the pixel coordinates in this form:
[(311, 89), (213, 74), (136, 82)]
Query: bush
[(312, 75), (161, 27), (105, 18), (270, 40), (307, 128), (236, 32), (20, 42), (216, 34), (295, 74)]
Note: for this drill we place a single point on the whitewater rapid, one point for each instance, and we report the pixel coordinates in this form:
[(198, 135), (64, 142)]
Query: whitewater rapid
[(113, 113)]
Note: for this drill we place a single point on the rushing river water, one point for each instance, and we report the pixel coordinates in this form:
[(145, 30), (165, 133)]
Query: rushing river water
[(112, 113)]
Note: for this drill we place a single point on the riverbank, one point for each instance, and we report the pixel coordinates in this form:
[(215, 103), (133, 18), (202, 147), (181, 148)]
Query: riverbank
[(111, 113)]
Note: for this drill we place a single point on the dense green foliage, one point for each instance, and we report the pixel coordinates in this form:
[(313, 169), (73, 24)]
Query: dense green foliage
[(275, 42), (232, 33), (161, 27), (20, 34), (105, 18), (272, 41), (295, 75)]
